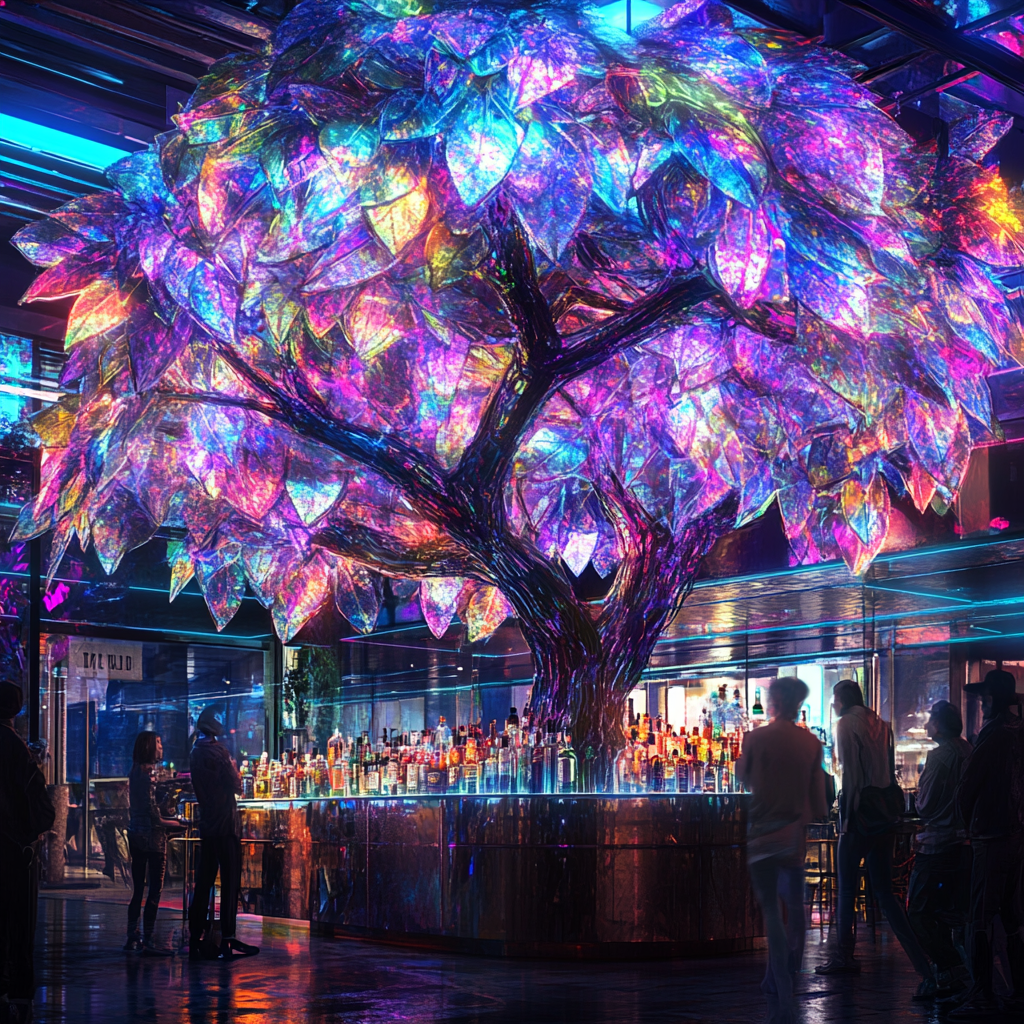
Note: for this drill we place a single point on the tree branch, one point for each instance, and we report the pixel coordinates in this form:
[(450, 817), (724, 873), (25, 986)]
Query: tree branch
[(418, 476), (526, 385), (519, 285), (375, 550), (591, 347)]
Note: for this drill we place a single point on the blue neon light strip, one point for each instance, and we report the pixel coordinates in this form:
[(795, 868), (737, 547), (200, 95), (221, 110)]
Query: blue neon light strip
[(639, 12), (57, 143)]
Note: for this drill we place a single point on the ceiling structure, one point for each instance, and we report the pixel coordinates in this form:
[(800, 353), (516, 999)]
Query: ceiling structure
[(84, 80)]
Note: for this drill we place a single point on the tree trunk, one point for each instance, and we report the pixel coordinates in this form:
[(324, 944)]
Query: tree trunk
[(584, 670)]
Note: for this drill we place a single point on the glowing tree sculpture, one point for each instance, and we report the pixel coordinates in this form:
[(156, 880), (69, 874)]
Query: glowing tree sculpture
[(473, 295)]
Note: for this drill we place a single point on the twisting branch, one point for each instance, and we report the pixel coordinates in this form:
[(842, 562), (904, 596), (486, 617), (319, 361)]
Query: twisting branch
[(526, 385), (590, 347), (376, 551), (418, 476), (518, 283)]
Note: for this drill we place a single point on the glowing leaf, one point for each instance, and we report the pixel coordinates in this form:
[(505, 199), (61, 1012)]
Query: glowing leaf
[(439, 598)]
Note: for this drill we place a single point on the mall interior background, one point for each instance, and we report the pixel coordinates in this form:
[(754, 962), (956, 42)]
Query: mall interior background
[(103, 656)]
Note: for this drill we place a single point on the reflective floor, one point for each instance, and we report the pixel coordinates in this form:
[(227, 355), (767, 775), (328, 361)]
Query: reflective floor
[(84, 977)]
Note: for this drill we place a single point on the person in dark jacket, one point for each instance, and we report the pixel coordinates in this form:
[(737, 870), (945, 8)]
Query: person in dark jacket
[(991, 804), (215, 781), (147, 841), (864, 747), (26, 812), (936, 899)]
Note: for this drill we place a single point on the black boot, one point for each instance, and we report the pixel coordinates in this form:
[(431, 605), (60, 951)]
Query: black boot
[(233, 949)]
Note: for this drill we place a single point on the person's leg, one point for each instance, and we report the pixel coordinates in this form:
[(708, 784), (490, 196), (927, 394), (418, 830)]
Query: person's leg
[(931, 906), (18, 900), (1012, 911), (764, 878), (138, 856), (848, 857), (878, 860), (156, 861), (230, 883), (791, 892), (199, 908)]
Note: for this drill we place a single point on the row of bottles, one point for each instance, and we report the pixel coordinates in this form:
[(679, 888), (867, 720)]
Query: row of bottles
[(520, 759)]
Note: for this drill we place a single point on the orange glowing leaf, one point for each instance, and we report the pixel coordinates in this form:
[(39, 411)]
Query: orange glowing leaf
[(398, 223), (99, 308)]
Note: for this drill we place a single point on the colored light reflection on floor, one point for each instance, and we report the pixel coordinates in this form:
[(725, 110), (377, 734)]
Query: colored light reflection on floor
[(84, 976)]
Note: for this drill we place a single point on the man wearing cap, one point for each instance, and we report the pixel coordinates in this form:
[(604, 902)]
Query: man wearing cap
[(937, 894), (25, 814), (991, 803), (215, 782)]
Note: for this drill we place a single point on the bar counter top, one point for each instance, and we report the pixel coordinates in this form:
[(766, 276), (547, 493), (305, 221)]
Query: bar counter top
[(567, 875)]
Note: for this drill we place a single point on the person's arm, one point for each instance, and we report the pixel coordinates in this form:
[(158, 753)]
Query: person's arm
[(229, 773), (932, 786), (156, 815), (973, 779), (818, 802), (745, 762), (40, 806)]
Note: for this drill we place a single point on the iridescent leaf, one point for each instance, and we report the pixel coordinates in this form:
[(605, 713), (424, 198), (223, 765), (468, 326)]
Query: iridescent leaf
[(439, 597), (481, 145), (486, 610)]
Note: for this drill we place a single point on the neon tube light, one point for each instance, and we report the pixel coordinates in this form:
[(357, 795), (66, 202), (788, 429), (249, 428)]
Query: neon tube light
[(54, 142)]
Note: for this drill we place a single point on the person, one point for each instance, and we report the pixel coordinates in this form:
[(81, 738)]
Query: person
[(864, 747), (991, 803), (147, 841), (936, 895), (215, 781), (26, 812), (781, 765)]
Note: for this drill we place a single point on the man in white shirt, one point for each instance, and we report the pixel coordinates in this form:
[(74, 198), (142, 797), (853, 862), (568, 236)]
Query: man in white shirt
[(863, 743)]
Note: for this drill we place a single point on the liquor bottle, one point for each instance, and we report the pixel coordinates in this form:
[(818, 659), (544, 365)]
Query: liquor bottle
[(757, 711), (412, 777), (537, 764), (470, 784), (512, 727), (803, 723), (491, 771), (248, 782), (670, 765), (623, 769), (682, 774), (504, 766), (551, 760), (454, 771), (524, 764), (568, 765), (442, 735)]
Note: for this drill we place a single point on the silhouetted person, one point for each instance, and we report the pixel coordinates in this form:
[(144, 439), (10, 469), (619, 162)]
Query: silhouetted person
[(991, 802), (781, 765), (936, 899), (147, 841), (25, 814), (215, 781), (864, 746)]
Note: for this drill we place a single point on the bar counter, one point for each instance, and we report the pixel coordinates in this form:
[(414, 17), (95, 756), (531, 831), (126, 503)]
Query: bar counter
[(579, 877)]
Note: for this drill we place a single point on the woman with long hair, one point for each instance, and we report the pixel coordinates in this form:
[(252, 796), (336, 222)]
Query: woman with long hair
[(147, 840)]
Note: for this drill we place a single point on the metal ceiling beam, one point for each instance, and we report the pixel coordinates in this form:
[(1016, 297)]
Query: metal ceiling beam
[(998, 64), (768, 15)]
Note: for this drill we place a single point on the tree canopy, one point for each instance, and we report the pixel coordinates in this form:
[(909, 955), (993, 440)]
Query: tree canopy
[(425, 274)]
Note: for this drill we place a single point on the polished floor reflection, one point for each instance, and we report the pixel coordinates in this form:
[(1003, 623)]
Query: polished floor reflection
[(84, 977)]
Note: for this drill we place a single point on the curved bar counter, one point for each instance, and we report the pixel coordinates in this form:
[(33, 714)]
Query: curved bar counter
[(573, 876)]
